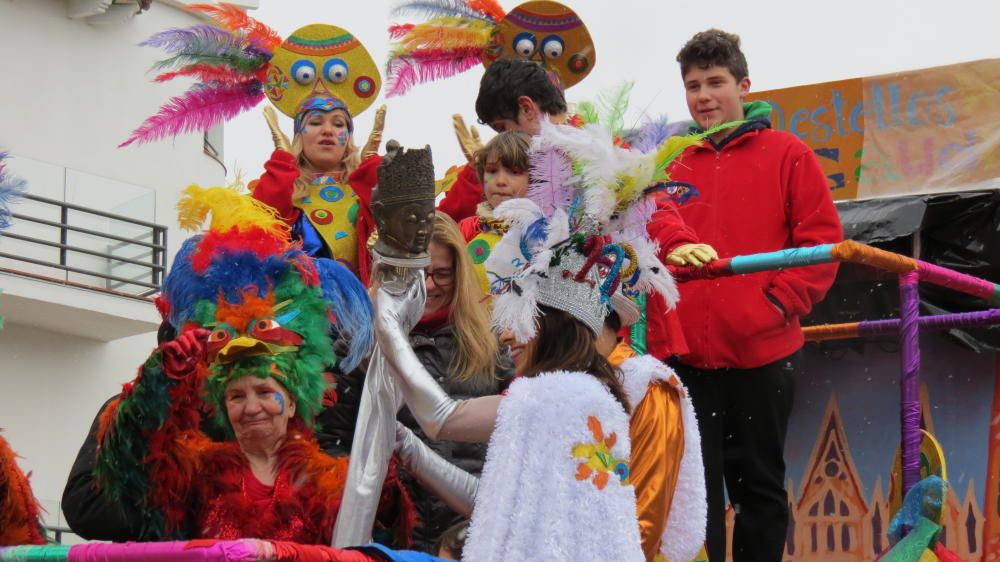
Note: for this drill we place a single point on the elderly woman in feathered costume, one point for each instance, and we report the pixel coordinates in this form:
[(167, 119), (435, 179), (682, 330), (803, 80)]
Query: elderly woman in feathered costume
[(255, 316)]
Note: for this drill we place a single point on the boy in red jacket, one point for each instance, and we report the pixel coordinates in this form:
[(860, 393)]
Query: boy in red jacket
[(760, 190)]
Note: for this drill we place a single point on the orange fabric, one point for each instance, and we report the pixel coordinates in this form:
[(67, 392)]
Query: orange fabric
[(19, 524), (851, 251), (621, 352), (657, 434), (831, 331)]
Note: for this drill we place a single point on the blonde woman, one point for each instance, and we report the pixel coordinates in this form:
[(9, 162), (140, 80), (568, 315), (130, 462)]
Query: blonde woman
[(321, 184), (454, 342)]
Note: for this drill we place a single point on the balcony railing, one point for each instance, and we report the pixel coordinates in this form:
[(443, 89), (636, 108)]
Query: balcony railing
[(115, 253)]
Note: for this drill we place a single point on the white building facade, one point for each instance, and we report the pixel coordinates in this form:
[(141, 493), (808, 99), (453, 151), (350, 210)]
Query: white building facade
[(77, 301)]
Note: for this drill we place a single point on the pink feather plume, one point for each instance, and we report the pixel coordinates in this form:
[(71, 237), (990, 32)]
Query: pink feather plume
[(551, 174), (198, 109), (400, 31), (428, 65), (206, 73)]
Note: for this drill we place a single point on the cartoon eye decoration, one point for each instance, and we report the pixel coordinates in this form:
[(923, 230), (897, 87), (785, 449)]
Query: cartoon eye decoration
[(220, 336), (524, 44), (217, 340), (304, 72), (553, 46), (335, 70), (270, 330), (263, 325)]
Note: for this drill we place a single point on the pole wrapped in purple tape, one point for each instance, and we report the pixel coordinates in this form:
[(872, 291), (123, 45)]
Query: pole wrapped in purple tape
[(909, 383)]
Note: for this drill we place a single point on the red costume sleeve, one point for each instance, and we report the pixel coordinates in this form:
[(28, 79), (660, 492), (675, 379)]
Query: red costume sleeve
[(668, 229), (812, 220), (363, 181), (274, 188), (462, 199), (469, 227)]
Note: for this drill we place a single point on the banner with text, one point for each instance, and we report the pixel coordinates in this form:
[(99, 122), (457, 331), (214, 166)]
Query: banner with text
[(923, 131)]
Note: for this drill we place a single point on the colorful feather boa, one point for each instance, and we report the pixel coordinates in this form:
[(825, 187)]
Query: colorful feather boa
[(19, 510)]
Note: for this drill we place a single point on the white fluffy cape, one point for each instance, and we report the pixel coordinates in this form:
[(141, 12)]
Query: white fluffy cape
[(530, 505), (684, 534)]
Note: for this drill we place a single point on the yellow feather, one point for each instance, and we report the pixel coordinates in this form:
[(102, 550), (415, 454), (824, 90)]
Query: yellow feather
[(671, 149), (229, 209), (444, 34)]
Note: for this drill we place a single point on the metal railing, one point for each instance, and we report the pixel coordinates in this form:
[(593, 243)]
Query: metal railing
[(152, 243)]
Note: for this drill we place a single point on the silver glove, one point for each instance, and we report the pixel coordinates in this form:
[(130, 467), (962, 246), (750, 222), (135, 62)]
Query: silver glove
[(374, 432), (454, 486), (394, 308)]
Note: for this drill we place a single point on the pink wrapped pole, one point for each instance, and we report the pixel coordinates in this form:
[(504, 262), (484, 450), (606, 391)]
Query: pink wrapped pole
[(958, 281), (171, 551), (909, 382)]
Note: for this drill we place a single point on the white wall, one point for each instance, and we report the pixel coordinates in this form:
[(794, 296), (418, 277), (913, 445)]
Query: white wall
[(51, 386), (75, 91), (72, 92)]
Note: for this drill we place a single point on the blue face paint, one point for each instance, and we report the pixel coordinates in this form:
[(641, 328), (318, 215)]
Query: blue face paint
[(281, 401)]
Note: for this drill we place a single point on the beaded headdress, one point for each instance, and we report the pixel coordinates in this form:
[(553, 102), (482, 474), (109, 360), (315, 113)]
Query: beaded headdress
[(579, 237)]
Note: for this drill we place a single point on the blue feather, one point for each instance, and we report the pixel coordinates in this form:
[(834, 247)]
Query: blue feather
[(350, 305), (652, 133), (438, 8), (235, 271), (177, 39), (12, 189)]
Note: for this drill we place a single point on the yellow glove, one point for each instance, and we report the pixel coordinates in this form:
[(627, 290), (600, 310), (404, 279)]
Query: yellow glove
[(692, 254), (281, 142), (374, 139), (468, 138)]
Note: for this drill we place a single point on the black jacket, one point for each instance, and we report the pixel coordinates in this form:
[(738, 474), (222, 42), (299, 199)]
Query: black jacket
[(435, 351)]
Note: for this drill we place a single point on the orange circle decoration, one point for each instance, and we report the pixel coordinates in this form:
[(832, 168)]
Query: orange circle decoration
[(364, 87), (321, 216)]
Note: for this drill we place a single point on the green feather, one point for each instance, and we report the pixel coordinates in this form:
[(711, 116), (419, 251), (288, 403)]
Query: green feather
[(588, 112), (614, 104)]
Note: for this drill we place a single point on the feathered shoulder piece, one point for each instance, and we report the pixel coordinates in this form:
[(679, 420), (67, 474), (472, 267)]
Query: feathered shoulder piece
[(460, 34), (11, 190), (228, 58)]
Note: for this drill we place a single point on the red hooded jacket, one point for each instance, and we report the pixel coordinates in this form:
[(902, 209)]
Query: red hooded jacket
[(760, 190)]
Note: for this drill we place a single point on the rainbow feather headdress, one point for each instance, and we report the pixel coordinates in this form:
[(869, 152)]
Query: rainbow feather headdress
[(461, 34), (579, 237), (237, 61), (271, 309)]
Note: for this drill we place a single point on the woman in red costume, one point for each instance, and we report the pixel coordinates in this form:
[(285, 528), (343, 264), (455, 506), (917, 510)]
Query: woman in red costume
[(255, 316), (322, 77)]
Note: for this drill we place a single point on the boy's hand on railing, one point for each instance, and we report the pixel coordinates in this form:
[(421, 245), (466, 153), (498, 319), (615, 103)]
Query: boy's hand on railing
[(692, 254)]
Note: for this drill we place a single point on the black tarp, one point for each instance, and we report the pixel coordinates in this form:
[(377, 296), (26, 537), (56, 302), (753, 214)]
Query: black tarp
[(960, 231)]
